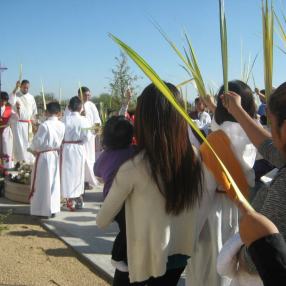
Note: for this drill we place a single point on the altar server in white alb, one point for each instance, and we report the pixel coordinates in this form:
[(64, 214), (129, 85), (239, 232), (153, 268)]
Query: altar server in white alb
[(45, 190), (77, 133), (91, 114), (25, 109)]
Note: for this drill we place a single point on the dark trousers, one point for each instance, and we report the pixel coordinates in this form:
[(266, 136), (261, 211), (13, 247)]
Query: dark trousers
[(170, 278)]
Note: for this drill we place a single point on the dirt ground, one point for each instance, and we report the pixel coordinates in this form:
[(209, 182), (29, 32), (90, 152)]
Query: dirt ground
[(30, 255)]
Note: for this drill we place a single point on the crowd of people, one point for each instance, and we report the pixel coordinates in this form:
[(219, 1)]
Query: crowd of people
[(62, 150), (174, 205)]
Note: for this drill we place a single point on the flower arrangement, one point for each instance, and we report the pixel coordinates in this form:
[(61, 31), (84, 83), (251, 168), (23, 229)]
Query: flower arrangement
[(23, 175)]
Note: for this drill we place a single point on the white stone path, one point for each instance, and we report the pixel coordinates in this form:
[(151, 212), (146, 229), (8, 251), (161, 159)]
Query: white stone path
[(78, 229)]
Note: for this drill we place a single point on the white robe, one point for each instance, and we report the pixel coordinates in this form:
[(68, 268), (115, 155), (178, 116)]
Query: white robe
[(223, 219), (73, 155), (228, 261), (47, 196), (204, 121), (67, 112), (92, 115), (22, 131)]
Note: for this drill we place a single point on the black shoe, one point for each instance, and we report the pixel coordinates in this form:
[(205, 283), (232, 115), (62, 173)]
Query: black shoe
[(87, 186), (79, 204)]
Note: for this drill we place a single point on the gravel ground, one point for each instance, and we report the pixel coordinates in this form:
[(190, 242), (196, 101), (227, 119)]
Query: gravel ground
[(30, 255)]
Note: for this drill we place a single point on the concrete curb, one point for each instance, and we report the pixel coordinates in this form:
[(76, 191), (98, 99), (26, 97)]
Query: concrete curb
[(84, 259), (65, 234)]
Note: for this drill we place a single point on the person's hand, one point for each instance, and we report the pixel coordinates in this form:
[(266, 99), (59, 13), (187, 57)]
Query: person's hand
[(261, 95), (209, 101), (18, 84), (231, 101), (128, 93), (18, 105), (31, 151), (254, 226)]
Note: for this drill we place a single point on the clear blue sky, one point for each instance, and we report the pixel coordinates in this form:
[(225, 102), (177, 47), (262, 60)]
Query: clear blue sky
[(66, 41)]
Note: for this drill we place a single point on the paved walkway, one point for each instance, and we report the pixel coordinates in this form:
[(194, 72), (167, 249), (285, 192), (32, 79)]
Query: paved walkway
[(78, 229)]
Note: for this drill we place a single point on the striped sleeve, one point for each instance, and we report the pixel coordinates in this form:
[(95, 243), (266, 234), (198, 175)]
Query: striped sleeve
[(270, 153)]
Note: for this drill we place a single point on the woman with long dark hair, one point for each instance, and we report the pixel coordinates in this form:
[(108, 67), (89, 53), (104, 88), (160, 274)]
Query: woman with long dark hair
[(162, 187)]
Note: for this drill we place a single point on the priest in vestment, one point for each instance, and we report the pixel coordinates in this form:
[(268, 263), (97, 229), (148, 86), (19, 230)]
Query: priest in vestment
[(24, 109)]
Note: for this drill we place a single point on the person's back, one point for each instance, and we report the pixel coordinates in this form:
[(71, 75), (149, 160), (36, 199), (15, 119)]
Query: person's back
[(117, 138), (161, 187), (52, 136), (74, 127), (238, 154), (147, 224), (73, 155), (270, 200), (45, 189)]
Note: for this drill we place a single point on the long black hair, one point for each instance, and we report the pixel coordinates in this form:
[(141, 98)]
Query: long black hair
[(247, 101), (117, 133), (277, 104), (163, 135)]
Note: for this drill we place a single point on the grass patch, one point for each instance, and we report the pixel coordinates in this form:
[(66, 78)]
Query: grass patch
[(3, 218)]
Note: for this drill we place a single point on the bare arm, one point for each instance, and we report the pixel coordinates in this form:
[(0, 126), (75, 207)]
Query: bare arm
[(261, 95), (209, 101), (16, 87), (256, 133), (12, 97), (125, 102)]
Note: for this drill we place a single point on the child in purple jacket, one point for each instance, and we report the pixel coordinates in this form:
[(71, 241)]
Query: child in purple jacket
[(117, 139)]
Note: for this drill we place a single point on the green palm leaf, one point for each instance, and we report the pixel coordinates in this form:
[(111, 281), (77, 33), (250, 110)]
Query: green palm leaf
[(154, 77), (189, 60), (268, 26), (223, 40)]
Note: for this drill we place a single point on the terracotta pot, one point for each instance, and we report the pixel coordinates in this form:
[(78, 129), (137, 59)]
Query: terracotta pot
[(17, 192)]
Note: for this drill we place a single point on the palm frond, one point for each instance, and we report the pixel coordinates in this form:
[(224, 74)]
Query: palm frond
[(268, 27), (154, 77), (223, 40)]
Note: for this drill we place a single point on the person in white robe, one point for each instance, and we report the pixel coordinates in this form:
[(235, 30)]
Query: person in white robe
[(45, 190), (73, 159), (25, 109), (91, 114), (223, 218), (203, 120)]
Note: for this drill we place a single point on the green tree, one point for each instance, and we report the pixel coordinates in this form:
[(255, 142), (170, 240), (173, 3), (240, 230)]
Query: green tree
[(122, 78), (110, 102), (39, 100)]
